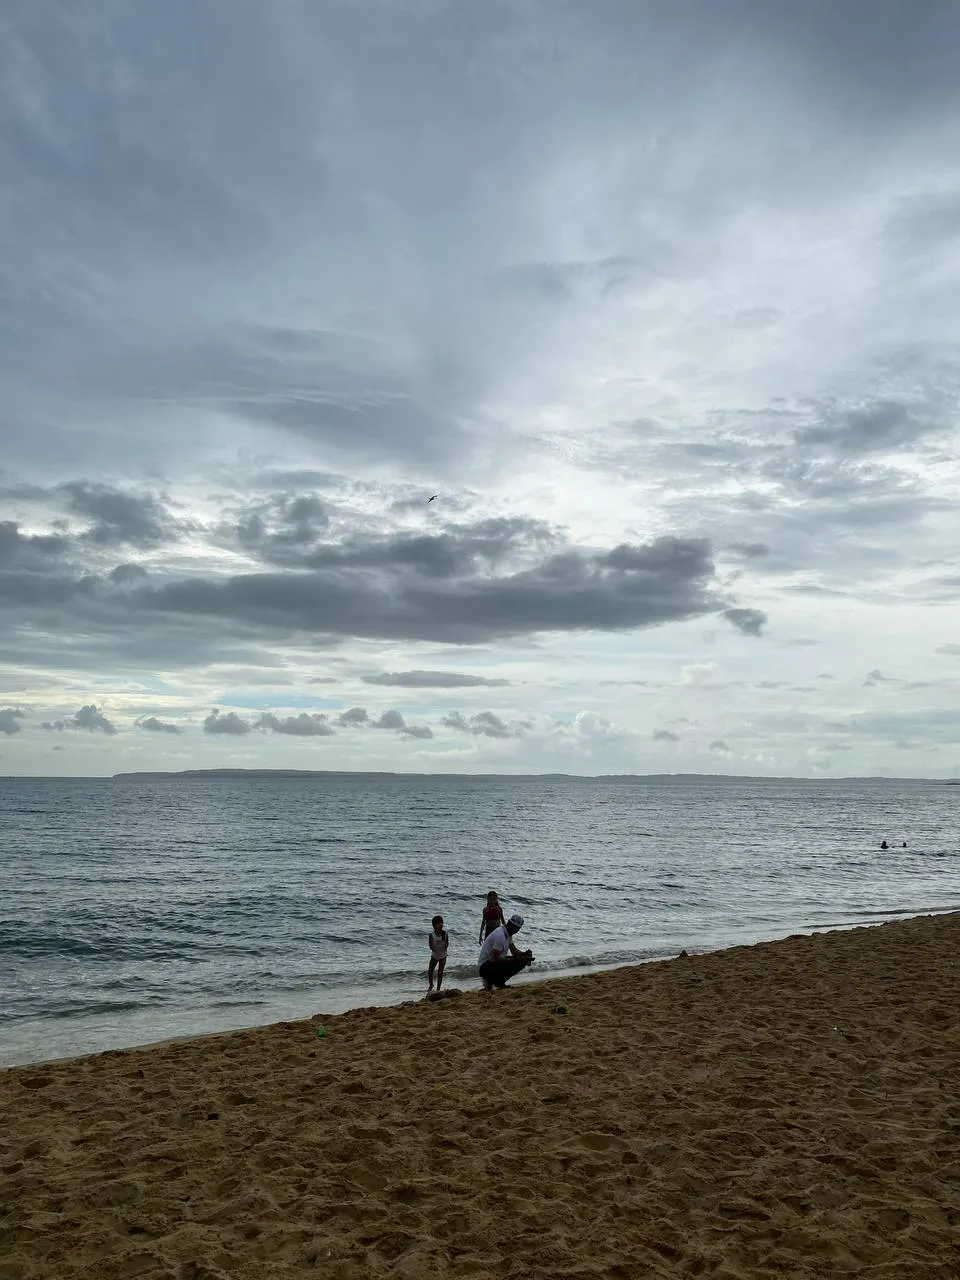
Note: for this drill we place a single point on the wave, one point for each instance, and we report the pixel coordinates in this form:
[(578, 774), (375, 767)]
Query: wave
[(84, 1008)]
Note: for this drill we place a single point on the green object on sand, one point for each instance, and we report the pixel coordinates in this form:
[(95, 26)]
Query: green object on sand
[(561, 1008), (320, 1032)]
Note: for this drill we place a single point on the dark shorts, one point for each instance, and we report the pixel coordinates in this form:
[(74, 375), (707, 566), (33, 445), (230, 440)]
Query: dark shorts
[(499, 972)]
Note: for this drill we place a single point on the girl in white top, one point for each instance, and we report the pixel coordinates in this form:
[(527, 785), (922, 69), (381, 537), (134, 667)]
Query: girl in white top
[(438, 941)]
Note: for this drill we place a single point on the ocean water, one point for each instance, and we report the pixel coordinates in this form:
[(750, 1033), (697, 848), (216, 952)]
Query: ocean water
[(132, 910)]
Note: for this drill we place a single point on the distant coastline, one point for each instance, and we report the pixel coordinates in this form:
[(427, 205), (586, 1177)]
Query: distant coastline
[(201, 774)]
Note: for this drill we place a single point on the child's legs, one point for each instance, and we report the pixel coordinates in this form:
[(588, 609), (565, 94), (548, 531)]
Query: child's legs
[(433, 965), (441, 965)]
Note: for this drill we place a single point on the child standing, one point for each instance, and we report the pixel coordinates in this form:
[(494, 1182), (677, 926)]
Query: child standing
[(438, 941), (492, 916)]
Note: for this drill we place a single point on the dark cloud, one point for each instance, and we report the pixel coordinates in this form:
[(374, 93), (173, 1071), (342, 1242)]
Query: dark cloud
[(388, 720), (484, 724), (90, 718), (750, 621), (457, 550), (125, 574), (432, 680), (304, 725), (952, 649), (873, 428), (153, 725), (422, 731), (230, 724), (749, 550), (719, 747), (282, 528), (463, 584), (10, 718), (118, 518), (30, 552), (395, 721), (665, 735), (629, 587), (353, 716)]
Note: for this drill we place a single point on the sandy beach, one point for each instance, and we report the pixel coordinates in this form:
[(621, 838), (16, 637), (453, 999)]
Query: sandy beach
[(787, 1109)]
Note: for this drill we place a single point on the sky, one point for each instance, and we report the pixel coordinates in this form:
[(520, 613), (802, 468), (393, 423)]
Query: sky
[(659, 301)]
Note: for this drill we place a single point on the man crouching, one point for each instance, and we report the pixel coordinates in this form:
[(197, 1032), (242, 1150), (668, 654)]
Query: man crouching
[(499, 958)]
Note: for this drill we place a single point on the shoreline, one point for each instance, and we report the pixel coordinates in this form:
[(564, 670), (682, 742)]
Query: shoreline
[(398, 1000), (785, 1108), (526, 980)]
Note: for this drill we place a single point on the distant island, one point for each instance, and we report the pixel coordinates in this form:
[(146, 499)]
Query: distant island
[(201, 774)]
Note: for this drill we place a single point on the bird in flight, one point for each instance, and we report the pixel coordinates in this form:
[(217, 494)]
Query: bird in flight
[(429, 500)]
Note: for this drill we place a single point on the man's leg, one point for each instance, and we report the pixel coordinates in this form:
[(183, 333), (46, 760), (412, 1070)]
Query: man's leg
[(501, 971)]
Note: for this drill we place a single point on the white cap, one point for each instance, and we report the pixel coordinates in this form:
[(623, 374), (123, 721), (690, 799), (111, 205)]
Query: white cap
[(516, 920)]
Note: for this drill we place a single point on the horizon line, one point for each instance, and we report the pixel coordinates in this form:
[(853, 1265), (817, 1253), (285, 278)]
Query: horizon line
[(240, 772)]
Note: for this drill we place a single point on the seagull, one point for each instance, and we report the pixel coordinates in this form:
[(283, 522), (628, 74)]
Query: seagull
[(429, 500)]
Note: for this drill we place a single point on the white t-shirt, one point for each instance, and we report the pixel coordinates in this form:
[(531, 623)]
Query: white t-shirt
[(499, 940), (438, 944)]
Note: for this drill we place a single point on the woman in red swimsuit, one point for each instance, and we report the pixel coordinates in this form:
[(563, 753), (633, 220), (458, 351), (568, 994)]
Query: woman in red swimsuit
[(492, 916)]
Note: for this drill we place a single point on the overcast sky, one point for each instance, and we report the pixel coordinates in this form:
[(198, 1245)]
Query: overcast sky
[(661, 301)]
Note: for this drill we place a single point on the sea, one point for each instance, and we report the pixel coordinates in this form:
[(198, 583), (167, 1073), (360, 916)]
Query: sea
[(143, 908)]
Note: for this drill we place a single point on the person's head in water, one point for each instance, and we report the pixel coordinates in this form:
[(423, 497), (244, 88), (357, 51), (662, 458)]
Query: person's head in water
[(884, 845), (492, 899), (514, 924)]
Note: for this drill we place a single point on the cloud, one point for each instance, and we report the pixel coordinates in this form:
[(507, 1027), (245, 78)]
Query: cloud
[(304, 725), (589, 724), (388, 720), (466, 584), (627, 588), (89, 717), (952, 649), (281, 529), (119, 518), (9, 720), (719, 747), (353, 716), (153, 725), (359, 717), (484, 724), (750, 621), (564, 265), (422, 731), (665, 735), (432, 680), (229, 723), (394, 720), (876, 677), (30, 552), (878, 427), (749, 550)]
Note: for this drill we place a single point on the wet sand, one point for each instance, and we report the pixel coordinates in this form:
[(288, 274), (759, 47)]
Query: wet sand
[(788, 1109)]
